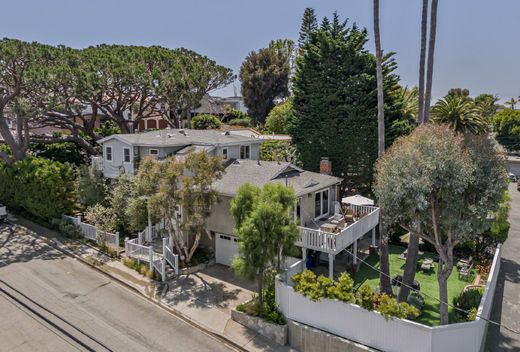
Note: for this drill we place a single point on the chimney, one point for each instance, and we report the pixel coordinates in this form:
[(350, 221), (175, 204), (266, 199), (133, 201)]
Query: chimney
[(325, 166)]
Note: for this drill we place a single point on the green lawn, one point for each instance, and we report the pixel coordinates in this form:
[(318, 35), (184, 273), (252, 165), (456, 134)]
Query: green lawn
[(429, 286)]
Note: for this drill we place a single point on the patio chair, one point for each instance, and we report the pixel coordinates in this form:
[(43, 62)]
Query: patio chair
[(427, 265), (464, 263), (465, 273)]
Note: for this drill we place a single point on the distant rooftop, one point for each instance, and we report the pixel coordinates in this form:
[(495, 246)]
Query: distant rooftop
[(180, 137)]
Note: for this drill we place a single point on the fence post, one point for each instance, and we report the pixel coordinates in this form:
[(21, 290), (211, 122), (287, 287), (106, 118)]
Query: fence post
[(176, 265), (79, 220), (126, 246), (164, 244), (150, 250), (163, 274), (117, 243)]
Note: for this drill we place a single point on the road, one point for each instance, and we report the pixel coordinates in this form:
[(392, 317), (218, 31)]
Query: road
[(506, 305), (51, 302)]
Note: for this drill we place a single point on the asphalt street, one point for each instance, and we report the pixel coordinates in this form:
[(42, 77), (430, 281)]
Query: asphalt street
[(51, 302)]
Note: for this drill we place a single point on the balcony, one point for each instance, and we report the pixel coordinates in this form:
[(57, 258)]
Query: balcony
[(365, 218)]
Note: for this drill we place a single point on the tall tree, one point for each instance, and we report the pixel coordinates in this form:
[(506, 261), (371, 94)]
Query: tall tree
[(335, 99), (265, 79), (488, 104), (384, 277), (18, 63), (431, 55), (422, 60), (309, 25), (454, 182), (512, 103)]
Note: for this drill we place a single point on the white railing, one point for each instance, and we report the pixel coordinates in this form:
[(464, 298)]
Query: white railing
[(158, 263), (170, 257), (336, 242), (137, 251), (92, 233)]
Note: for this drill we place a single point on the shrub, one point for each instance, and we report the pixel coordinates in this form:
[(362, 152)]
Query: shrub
[(280, 118), (416, 300), (389, 308), (318, 287), (90, 186), (101, 217), (205, 122), (365, 297), (41, 187), (244, 122), (277, 150), (467, 301), (70, 230)]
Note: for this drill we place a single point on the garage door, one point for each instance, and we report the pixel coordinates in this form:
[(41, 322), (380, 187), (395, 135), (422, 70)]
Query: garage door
[(226, 247)]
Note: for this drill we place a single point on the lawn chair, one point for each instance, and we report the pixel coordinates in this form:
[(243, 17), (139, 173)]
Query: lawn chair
[(465, 273), (427, 265), (465, 263)]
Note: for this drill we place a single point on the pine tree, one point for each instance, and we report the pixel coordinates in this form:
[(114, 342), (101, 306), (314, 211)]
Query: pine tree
[(335, 102), (309, 25)]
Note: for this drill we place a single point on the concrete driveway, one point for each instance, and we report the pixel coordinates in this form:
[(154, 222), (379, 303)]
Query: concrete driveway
[(51, 302), (506, 305)]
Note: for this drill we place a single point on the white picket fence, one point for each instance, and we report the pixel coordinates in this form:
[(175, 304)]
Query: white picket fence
[(92, 233), (157, 261)]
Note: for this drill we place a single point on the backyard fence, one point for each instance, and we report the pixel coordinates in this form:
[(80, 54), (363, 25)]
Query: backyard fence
[(90, 232), (372, 329)]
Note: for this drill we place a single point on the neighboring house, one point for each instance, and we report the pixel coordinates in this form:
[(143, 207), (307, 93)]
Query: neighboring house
[(316, 196), (122, 152), (251, 132)]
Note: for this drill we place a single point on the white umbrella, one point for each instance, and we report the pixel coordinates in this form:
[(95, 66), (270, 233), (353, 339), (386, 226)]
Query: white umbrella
[(357, 200)]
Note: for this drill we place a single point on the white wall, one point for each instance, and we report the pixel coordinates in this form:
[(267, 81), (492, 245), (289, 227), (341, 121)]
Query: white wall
[(372, 329), (114, 167)]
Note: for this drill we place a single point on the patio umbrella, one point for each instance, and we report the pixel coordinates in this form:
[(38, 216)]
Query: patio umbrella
[(357, 200)]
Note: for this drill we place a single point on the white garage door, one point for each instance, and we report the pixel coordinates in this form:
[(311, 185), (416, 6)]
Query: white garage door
[(226, 247)]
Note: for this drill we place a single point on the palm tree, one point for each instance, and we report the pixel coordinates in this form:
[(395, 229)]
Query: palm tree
[(384, 278), (512, 102), (410, 103), (460, 114), (431, 54), (424, 116), (422, 60)]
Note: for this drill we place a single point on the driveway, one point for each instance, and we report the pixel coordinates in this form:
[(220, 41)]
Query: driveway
[(51, 302), (506, 305)]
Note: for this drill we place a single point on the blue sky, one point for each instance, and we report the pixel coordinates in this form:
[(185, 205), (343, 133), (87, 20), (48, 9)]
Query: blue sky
[(477, 42)]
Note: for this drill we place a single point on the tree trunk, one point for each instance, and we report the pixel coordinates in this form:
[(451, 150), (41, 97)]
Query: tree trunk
[(384, 278), (422, 60), (442, 277), (410, 267), (431, 54), (260, 284), (17, 149)]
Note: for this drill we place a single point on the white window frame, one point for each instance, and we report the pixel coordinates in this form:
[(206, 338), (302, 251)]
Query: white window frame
[(225, 153), (129, 155), (153, 154), (107, 149), (248, 151), (322, 213)]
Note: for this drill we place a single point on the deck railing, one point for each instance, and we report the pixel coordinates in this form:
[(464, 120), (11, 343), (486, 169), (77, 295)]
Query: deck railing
[(336, 242), (92, 233)]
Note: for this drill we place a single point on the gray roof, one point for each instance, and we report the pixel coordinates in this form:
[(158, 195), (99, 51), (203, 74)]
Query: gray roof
[(259, 173), (181, 137)]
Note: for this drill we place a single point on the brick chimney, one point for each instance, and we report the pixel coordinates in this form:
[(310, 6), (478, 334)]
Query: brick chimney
[(325, 166)]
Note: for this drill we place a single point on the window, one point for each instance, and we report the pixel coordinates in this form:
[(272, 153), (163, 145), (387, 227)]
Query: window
[(126, 155), (154, 152), (108, 153), (321, 203), (244, 152), (224, 154), (298, 211)]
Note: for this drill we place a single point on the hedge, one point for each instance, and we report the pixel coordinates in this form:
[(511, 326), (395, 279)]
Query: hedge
[(38, 186), (205, 122)]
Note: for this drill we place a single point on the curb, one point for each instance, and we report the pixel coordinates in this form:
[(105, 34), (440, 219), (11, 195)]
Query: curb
[(56, 245)]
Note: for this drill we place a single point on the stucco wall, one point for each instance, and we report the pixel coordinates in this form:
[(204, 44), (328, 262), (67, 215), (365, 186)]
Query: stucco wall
[(307, 201), (220, 220)]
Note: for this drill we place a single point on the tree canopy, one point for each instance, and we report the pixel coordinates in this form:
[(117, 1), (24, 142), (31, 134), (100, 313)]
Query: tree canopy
[(441, 185), (335, 101), (265, 78), (506, 124), (460, 112)]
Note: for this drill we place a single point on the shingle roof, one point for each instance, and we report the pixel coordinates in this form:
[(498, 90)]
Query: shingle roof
[(259, 173), (181, 137)]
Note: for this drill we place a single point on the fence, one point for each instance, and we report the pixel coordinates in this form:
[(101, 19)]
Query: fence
[(372, 329), (92, 233)]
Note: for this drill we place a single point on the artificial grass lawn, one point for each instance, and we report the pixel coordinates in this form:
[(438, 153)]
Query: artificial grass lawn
[(429, 286)]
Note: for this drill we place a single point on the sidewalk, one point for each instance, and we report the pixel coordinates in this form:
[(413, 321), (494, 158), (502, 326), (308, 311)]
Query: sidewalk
[(205, 298)]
